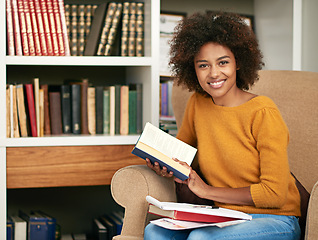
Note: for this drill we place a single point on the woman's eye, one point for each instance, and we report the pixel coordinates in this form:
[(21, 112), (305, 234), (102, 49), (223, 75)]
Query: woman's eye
[(203, 65), (223, 63)]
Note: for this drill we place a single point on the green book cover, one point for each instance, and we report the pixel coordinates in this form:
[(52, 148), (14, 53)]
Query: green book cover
[(132, 112), (106, 123)]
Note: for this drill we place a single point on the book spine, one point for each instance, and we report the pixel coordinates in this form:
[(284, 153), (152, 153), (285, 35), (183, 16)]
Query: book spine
[(23, 30), (84, 112), (67, 12), (55, 113), (14, 113), (10, 32), (29, 29), (139, 107), (80, 29), (112, 6), (16, 29), (31, 108), (52, 25), (21, 111), (58, 24), (88, 20), (99, 108), (40, 25), (112, 107), (117, 109), (132, 112), (64, 27), (113, 30), (164, 99), (140, 29), (46, 26), (66, 108), (76, 108), (47, 124), (132, 30), (35, 31), (106, 113), (41, 110), (91, 110), (73, 30), (124, 110), (124, 29), (8, 113), (36, 85)]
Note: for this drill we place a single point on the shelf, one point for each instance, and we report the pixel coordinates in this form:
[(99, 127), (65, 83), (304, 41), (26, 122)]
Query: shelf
[(78, 61), (71, 140)]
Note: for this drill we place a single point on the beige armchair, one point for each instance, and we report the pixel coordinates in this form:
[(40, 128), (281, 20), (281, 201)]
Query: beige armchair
[(295, 93)]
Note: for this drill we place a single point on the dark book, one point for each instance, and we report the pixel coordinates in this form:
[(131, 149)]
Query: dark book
[(50, 221), (37, 226), (76, 108), (55, 113), (118, 223), (139, 111), (132, 112), (100, 230), (84, 114), (99, 108), (66, 108), (95, 31), (159, 146), (117, 109), (111, 227), (31, 108), (10, 230)]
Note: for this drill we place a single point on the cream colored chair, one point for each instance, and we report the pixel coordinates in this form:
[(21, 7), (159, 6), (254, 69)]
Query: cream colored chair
[(295, 93)]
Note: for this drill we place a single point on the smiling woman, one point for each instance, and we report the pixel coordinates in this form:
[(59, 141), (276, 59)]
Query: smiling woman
[(241, 138)]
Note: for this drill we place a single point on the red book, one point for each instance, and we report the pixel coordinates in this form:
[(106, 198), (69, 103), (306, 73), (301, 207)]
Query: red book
[(46, 26), (58, 24), (193, 212), (40, 25), (23, 31), (29, 29), (64, 28), (31, 108), (35, 30), (50, 13), (16, 28)]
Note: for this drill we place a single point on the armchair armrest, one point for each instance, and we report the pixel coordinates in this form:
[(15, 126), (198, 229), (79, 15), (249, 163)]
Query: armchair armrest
[(312, 215), (129, 187)]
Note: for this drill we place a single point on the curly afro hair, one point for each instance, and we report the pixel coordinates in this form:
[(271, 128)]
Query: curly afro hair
[(226, 29)]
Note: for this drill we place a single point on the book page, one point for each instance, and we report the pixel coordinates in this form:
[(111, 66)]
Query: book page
[(167, 144)]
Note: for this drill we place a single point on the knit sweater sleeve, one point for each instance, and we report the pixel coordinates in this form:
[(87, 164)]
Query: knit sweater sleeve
[(272, 137)]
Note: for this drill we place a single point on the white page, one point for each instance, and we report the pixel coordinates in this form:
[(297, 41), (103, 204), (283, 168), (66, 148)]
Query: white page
[(167, 144)]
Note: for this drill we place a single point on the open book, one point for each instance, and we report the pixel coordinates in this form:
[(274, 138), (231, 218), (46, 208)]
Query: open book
[(161, 147)]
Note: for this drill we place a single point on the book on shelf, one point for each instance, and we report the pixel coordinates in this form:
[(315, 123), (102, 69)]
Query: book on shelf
[(124, 29), (139, 29), (112, 106), (64, 27), (50, 223), (15, 133), (47, 124), (40, 25), (99, 107), (35, 28), (52, 26), (36, 86), (106, 110), (80, 29), (58, 23), (16, 29), (55, 113), (159, 146), (66, 108), (31, 108), (84, 114), (91, 110), (23, 28), (8, 113), (132, 30), (29, 30), (10, 32), (76, 108), (37, 225), (124, 110), (47, 30), (100, 230), (10, 229), (20, 228), (194, 212), (21, 111)]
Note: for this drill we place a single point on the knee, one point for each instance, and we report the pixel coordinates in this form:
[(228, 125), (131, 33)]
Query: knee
[(149, 231)]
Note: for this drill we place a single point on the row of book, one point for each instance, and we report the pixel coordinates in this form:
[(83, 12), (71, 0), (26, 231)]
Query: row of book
[(38, 225), (165, 99), (75, 107), (36, 28), (116, 29)]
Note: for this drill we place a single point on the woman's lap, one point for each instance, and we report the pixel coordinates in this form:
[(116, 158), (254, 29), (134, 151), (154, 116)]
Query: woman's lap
[(261, 227)]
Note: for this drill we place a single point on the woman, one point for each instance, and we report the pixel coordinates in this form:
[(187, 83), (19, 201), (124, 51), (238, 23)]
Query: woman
[(241, 137)]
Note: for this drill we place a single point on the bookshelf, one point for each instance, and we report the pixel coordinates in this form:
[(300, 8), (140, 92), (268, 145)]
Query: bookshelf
[(74, 160)]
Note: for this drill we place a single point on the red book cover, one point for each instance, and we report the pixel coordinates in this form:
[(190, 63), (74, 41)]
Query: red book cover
[(39, 19), (16, 28), (49, 7), (58, 24), (64, 28), (46, 26), (23, 31), (35, 30), (188, 216), (31, 108), (29, 27), (10, 32)]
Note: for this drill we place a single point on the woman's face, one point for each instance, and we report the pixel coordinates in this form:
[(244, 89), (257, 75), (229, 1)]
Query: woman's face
[(215, 68)]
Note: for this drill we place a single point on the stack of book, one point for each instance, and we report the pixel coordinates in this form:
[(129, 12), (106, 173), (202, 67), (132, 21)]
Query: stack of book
[(32, 226), (107, 226), (75, 107), (36, 28), (116, 29)]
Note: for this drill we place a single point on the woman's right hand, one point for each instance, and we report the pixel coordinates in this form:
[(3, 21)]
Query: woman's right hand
[(160, 171)]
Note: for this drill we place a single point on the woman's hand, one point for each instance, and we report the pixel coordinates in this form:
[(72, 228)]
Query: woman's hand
[(161, 172)]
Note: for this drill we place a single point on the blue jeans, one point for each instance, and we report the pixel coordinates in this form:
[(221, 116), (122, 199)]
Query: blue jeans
[(261, 227)]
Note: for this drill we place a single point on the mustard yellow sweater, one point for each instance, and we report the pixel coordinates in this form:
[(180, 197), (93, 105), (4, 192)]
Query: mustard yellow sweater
[(243, 146)]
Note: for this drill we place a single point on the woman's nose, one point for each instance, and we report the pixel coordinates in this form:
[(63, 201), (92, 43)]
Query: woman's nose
[(214, 72)]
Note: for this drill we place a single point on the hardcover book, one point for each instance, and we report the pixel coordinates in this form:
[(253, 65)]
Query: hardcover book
[(159, 146), (31, 108), (194, 212), (20, 228)]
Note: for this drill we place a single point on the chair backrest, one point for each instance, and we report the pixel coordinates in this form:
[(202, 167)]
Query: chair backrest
[(296, 95)]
